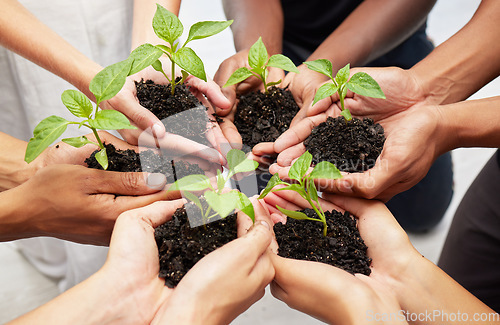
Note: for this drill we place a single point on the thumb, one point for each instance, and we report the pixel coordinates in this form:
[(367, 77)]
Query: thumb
[(212, 91), (129, 183)]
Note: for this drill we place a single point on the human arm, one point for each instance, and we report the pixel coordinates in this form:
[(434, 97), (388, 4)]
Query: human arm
[(127, 289), (227, 281)]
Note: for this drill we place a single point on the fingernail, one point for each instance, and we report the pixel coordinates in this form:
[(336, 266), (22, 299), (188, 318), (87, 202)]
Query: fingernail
[(262, 222), (156, 180), (158, 130)]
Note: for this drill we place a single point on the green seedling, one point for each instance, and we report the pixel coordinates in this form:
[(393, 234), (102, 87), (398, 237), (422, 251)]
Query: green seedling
[(305, 186), (259, 61), (169, 28), (105, 85), (360, 83), (219, 203)]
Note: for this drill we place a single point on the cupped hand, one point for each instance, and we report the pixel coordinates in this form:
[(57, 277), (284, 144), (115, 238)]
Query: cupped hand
[(227, 281), (81, 204), (133, 261), (307, 285), (151, 131)]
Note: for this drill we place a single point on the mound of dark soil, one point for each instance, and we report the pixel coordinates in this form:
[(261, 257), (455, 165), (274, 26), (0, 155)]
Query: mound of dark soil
[(182, 113), (343, 246), (180, 247), (352, 146), (147, 161), (264, 117)]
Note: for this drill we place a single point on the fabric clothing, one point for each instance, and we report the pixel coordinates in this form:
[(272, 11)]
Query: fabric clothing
[(102, 31), (306, 26), (472, 247)]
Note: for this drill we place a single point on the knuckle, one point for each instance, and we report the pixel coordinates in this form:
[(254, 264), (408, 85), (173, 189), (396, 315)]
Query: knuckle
[(130, 181)]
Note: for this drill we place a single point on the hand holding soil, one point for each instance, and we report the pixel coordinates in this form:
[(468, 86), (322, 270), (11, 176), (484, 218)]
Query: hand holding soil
[(306, 285)]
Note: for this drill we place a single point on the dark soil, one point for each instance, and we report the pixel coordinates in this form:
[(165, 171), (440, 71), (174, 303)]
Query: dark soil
[(263, 118), (147, 161), (352, 146), (180, 247), (182, 114), (343, 246)]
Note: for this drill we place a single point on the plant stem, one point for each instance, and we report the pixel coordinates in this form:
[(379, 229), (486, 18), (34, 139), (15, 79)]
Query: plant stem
[(172, 80), (320, 215), (97, 137)]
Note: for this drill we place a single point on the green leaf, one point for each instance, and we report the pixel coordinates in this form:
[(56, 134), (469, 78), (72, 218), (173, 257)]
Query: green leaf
[(77, 142), (110, 80), (195, 182), (346, 114), (245, 205), (324, 91), (110, 119), (238, 76), (282, 62), (325, 170), (193, 198), (273, 83), (184, 76), (322, 66), (311, 189), (362, 84), (224, 204), (274, 181), (257, 55), (238, 162), (144, 56), (189, 61), (205, 29), (46, 132), (157, 66), (295, 214), (300, 166), (343, 75), (166, 25), (102, 158), (165, 49), (77, 103), (221, 182), (293, 187)]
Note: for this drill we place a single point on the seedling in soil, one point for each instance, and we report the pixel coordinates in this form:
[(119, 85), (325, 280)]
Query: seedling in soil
[(305, 187), (360, 83), (259, 61), (105, 85), (169, 28), (219, 203)]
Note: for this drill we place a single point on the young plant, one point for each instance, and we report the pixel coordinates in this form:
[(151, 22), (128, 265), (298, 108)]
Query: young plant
[(169, 28), (305, 187), (219, 203), (105, 85), (360, 83), (259, 61)]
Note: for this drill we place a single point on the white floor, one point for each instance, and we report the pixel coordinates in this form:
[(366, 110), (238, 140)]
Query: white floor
[(23, 288)]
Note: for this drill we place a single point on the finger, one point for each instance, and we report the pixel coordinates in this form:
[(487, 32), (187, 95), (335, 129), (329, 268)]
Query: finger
[(123, 183), (264, 149), (287, 156), (211, 90), (157, 213), (319, 107), (231, 133), (356, 206), (298, 133)]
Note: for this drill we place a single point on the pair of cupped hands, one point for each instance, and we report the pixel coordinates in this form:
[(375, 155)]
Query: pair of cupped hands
[(229, 280)]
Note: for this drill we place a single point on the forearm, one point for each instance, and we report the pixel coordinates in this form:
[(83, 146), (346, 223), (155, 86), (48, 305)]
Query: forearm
[(254, 19), (472, 123), (94, 301), (428, 290), (13, 169), (39, 44), (144, 11), (372, 29), (467, 61)]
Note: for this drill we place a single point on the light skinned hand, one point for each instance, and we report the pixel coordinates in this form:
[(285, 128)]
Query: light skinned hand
[(227, 281), (307, 285), (151, 131)]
